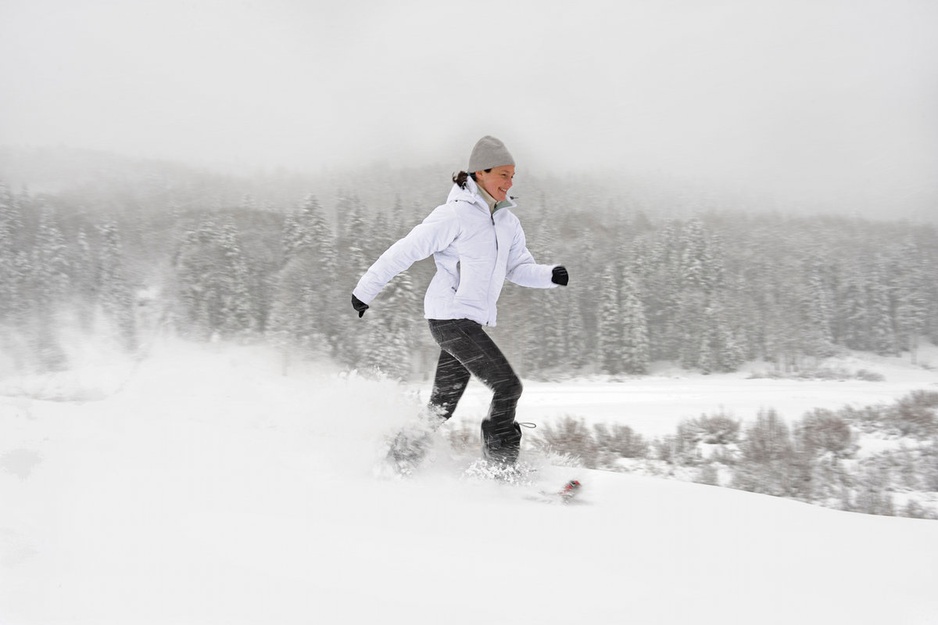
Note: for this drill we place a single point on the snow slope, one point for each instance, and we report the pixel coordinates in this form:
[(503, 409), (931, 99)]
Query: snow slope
[(206, 487)]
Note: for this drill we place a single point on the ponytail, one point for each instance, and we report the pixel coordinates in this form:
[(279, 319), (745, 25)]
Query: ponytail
[(461, 177)]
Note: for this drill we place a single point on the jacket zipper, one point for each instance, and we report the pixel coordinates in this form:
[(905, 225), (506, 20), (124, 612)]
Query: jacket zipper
[(489, 305)]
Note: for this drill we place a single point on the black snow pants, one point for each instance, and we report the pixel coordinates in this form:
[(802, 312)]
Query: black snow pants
[(467, 350)]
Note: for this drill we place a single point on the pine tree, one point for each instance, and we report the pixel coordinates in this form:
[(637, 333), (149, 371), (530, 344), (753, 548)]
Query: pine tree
[(854, 315), (882, 332), (116, 298), (238, 315), (393, 333), (695, 258), (818, 337), (399, 226), (573, 337), (86, 282), (546, 340), (635, 354), (664, 288), (10, 233), (692, 326), (50, 262), (911, 307), (305, 311), (48, 283), (358, 242), (729, 350), (610, 338), (197, 282)]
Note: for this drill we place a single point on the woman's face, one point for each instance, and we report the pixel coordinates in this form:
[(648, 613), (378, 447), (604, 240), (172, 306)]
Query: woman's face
[(496, 181)]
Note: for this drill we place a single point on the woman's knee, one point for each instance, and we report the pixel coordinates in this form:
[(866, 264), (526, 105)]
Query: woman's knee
[(508, 386)]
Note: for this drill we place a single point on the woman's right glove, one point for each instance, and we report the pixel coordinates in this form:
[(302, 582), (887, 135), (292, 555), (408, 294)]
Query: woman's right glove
[(359, 306)]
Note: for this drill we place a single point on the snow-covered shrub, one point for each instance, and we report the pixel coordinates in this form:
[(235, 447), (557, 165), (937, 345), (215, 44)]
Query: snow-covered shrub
[(618, 441), (869, 376), (664, 448), (767, 440), (708, 474), (823, 431), (929, 469), (768, 461), (570, 436), (873, 496), (914, 415), (717, 429), (915, 510)]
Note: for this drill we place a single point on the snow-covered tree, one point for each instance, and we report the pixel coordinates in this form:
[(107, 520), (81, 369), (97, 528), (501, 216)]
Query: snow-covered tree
[(116, 297), (882, 331), (635, 353), (610, 324), (853, 314), (10, 234), (238, 315), (910, 293), (817, 311), (50, 262)]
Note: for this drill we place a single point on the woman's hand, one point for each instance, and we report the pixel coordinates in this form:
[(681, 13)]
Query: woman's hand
[(559, 276)]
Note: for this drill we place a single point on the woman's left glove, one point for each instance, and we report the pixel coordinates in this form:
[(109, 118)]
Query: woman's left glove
[(560, 276)]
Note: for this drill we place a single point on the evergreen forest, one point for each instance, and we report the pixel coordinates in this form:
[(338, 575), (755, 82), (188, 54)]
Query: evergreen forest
[(274, 259)]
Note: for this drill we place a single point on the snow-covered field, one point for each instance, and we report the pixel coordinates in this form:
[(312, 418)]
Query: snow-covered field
[(654, 405), (203, 485)]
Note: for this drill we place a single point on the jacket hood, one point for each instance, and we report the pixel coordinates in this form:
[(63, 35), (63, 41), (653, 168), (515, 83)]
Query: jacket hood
[(472, 195)]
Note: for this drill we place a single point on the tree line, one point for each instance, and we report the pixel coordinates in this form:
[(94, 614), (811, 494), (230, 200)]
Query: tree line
[(708, 291)]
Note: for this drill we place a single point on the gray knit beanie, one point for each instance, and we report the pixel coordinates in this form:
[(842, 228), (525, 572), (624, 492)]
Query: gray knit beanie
[(489, 152)]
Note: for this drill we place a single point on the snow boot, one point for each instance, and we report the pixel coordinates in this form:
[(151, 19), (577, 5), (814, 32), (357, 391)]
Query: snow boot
[(501, 444)]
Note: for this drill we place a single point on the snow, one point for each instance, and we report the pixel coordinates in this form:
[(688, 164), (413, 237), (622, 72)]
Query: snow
[(203, 484)]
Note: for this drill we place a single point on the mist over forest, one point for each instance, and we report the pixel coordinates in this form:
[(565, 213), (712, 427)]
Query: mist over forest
[(93, 245)]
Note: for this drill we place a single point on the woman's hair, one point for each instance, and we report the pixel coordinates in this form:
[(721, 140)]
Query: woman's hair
[(461, 177)]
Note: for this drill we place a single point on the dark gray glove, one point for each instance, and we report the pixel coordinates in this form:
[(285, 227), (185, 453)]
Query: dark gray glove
[(560, 276), (360, 306)]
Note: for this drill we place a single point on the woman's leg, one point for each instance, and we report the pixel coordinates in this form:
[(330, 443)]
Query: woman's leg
[(448, 385), (468, 344)]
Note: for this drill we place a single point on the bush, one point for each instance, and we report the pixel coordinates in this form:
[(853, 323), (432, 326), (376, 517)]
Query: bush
[(571, 437), (822, 431), (767, 440), (915, 510), (718, 429), (914, 414), (708, 475), (769, 463), (618, 441), (869, 376), (929, 469)]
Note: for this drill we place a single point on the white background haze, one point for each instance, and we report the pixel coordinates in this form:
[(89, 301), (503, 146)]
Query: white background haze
[(830, 102)]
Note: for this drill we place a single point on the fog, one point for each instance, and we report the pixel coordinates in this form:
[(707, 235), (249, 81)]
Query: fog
[(815, 102)]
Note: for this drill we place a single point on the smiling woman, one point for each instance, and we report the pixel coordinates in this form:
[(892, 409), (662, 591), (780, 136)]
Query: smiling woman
[(477, 243)]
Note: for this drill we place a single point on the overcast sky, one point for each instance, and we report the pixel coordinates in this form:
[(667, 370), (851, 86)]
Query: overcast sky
[(815, 99)]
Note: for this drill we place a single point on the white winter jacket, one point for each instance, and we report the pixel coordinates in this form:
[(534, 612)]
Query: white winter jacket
[(475, 250)]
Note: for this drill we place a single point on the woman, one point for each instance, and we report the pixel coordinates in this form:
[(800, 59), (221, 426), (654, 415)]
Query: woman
[(477, 243)]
